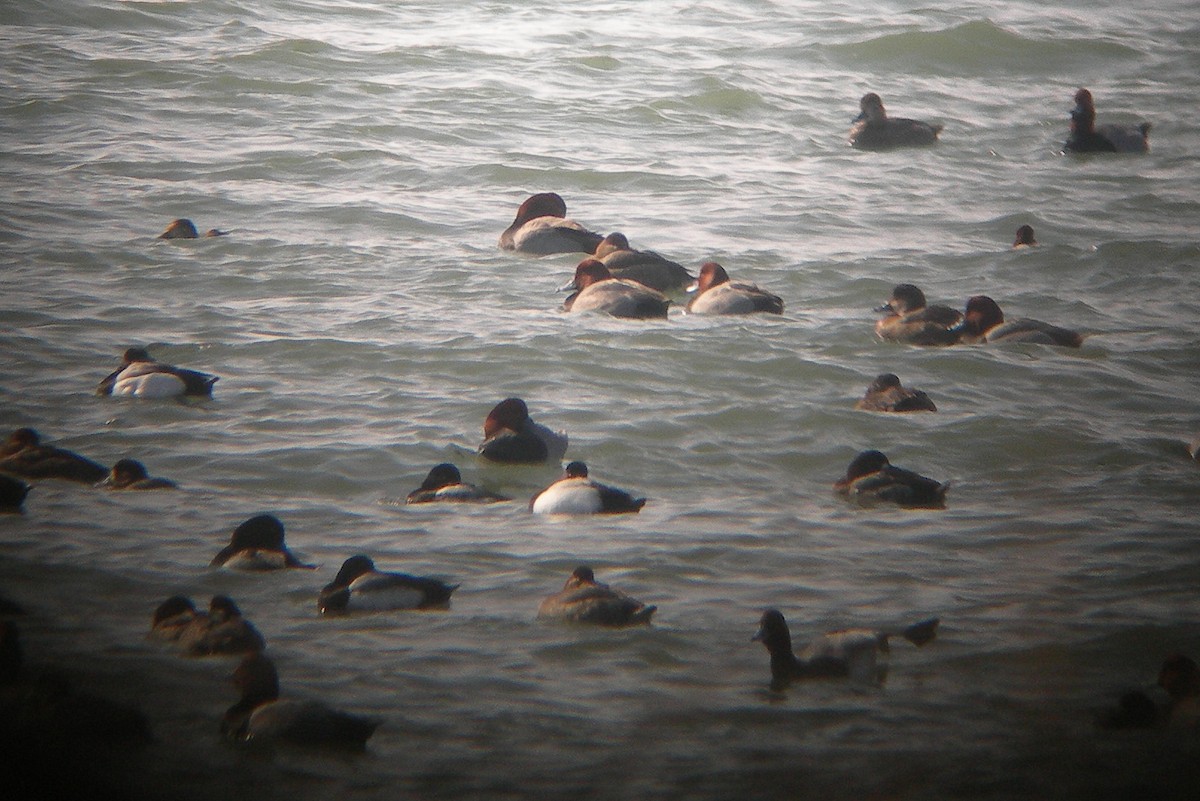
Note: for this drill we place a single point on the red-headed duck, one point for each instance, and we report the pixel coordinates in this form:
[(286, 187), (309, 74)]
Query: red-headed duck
[(585, 600), (12, 493), (852, 653), (1085, 137), (183, 228), (359, 587), (871, 477), (908, 319), (23, 455), (541, 228), (716, 294), (1025, 237), (576, 494), (130, 474), (511, 436), (142, 377), (444, 484), (873, 129), (887, 394), (256, 545), (221, 632), (644, 266), (983, 321), (595, 289)]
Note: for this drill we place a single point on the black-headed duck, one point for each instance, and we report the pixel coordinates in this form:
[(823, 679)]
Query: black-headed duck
[(576, 494), (1025, 238), (256, 545), (871, 477), (873, 129), (1085, 137), (595, 289), (887, 394), (716, 294), (585, 600), (908, 319), (140, 376), (511, 436), (983, 321), (444, 484), (358, 586), (644, 266), (130, 474), (541, 228), (23, 455)]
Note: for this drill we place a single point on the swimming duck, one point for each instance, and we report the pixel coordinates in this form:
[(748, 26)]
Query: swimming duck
[(1179, 677), (1025, 238), (887, 394), (873, 129), (597, 290), (716, 294), (261, 716), (358, 586), (850, 653), (984, 322), (12, 493), (142, 377), (444, 484), (172, 617), (576, 494), (871, 477), (222, 632), (585, 600), (541, 228), (130, 474), (1085, 137), (511, 436), (907, 319), (23, 455), (257, 544), (644, 266), (183, 228)]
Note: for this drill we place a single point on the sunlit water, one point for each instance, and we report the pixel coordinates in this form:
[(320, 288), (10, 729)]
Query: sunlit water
[(366, 155)]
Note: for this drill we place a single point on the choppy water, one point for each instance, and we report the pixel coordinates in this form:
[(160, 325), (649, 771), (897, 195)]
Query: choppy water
[(366, 156)]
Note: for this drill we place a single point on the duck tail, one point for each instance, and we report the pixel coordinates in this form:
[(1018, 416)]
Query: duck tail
[(643, 615), (921, 633)]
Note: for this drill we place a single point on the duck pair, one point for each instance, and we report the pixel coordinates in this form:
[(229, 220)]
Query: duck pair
[(24, 455), (221, 631), (910, 320)]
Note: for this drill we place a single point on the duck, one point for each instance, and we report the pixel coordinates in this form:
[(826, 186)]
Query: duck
[(141, 376), (644, 266), (1179, 679), (261, 716), (873, 129), (983, 322), (444, 484), (12, 493), (172, 617), (846, 653), (23, 455), (716, 294), (595, 289), (511, 436), (585, 600), (576, 494), (130, 474), (257, 545), (872, 477), (358, 586), (887, 394), (1025, 238), (222, 632), (908, 319), (1085, 137), (183, 228), (541, 228)]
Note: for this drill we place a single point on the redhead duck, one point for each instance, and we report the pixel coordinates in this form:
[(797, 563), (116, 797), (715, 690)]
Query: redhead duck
[(1087, 138), (585, 600), (644, 266), (358, 586), (716, 294), (261, 716), (444, 484), (1025, 238), (597, 290), (172, 617), (130, 474), (871, 477), (511, 436), (12, 493), (23, 455), (222, 632), (184, 228), (850, 653), (873, 129), (257, 544), (541, 228), (576, 494), (142, 377), (887, 394), (907, 319), (984, 322)]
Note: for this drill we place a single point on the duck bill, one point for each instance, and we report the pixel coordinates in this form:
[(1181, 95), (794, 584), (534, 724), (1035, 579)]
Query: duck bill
[(568, 287), (887, 307)]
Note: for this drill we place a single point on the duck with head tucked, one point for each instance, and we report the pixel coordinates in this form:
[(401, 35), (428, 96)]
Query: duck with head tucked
[(358, 586), (576, 494), (595, 289), (257, 545), (511, 436), (183, 228), (221, 632), (983, 322), (130, 474), (541, 228), (140, 376), (1085, 137), (23, 455), (908, 319), (871, 477), (873, 129), (585, 600), (1025, 238), (887, 394), (444, 484), (716, 294), (644, 266)]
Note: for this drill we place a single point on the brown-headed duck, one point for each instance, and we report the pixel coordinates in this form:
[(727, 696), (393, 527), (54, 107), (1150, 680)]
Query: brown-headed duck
[(221, 632), (1025, 237), (24, 456), (172, 617), (130, 474), (644, 266), (576, 494), (716, 294), (260, 716), (183, 228), (873, 129), (595, 289), (142, 377), (444, 484), (585, 600), (256, 545), (359, 587), (852, 653), (541, 228), (908, 319), (871, 477), (983, 321), (887, 394), (511, 436), (12, 493), (1085, 137)]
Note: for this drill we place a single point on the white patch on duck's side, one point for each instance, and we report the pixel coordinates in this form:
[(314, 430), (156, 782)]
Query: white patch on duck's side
[(569, 496), (374, 592), (859, 649), (254, 559), (149, 385)]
